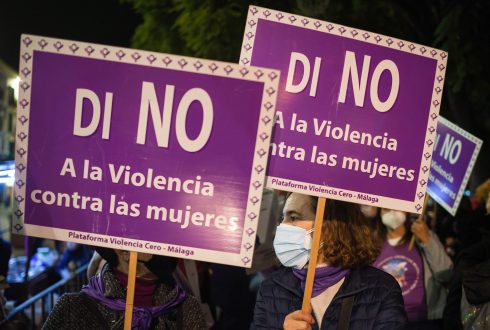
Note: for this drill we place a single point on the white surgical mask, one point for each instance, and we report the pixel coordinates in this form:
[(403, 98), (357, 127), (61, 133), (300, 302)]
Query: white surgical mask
[(393, 219), (292, 245), (369, 211)]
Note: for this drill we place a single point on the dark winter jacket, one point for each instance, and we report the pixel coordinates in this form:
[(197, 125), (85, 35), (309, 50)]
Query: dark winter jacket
[(468, 259), (75, 311), (476, 283), (378, 301)]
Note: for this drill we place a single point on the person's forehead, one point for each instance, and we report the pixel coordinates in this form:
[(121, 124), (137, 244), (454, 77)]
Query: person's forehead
[(298, 203)]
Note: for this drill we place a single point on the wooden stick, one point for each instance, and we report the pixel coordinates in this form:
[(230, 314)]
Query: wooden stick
[(128, 316), (315, 245), (421, 216)]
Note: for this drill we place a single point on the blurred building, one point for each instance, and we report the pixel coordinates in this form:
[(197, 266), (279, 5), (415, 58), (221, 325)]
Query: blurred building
[(9, 85)]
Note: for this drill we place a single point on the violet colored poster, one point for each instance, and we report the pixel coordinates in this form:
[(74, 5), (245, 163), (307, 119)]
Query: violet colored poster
[(356, 111), (455, 153), (141, 151)]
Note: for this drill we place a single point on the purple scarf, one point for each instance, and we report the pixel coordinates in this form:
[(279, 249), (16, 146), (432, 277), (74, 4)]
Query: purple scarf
[(142, 317), (325, 277)]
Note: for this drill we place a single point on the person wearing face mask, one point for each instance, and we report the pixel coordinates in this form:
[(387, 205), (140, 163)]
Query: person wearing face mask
[(370, 211), (372, 215), (422, 272), (347, 292), (159, 302)]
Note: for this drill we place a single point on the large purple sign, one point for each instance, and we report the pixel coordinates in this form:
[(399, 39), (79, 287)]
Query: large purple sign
[(141, 151), (356, 111), (455, 153)]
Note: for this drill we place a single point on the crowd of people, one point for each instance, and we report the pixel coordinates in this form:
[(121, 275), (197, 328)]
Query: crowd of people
[(376, 269)]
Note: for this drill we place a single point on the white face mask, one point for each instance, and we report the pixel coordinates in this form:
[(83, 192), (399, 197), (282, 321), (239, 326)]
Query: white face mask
[(393, 219), (369, 211), (292, 245)]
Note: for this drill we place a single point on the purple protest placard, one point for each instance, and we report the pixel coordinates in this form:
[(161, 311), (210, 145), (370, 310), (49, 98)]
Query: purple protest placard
[(356, 111), (455, 153), (141, 151)]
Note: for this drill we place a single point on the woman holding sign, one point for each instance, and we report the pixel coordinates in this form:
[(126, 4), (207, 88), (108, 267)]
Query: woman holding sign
[(420, 271), (159, 302), (347, 292)]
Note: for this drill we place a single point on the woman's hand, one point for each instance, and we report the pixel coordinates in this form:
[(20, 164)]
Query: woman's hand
[(421, 231), (298, 320)]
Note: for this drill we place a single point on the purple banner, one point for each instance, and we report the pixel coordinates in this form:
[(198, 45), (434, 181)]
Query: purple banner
[(356, 111), (455, 153), (141, 151)]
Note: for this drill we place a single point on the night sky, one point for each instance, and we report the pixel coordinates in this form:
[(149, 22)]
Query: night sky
[(99, 21)]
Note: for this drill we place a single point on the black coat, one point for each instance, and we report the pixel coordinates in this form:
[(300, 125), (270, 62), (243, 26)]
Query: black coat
[(467, 260), (78, 311), (378, 302)]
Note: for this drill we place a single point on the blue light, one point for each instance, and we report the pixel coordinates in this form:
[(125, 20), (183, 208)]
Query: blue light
[(7, 173)]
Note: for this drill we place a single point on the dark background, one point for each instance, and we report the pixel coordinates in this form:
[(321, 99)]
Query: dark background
[(99, 21)]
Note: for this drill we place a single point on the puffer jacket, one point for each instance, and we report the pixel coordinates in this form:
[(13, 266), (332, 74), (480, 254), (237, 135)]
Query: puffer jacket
[(378, 302)]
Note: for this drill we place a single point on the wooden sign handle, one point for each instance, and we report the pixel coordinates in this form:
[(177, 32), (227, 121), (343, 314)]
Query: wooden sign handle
[(128, 315), (421, 216), (315, 245)]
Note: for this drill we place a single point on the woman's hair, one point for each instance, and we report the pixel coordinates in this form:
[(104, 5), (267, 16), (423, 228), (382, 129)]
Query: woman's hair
[(481, 192), (346, 235)]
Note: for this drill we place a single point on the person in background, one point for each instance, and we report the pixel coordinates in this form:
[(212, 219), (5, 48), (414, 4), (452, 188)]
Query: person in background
[(159, 303), (3, 301), (468, 301), (347, 292), (372, 215), (370, 212), (421, 271), (75, 255), (459, 231)]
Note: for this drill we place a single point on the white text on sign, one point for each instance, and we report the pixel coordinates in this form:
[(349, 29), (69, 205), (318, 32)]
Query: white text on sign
[(350, 70), (161, 119)]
